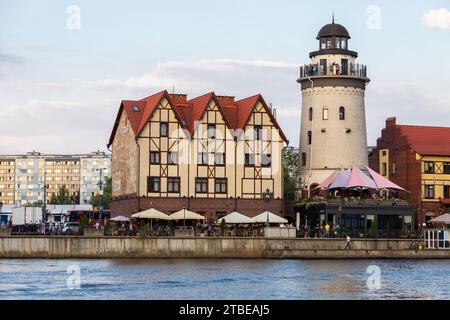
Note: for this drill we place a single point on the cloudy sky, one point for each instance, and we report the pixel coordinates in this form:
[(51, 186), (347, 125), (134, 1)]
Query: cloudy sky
[(66, 65)]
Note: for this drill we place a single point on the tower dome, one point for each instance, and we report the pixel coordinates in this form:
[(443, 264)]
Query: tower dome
[(333, 39), (333, 30)]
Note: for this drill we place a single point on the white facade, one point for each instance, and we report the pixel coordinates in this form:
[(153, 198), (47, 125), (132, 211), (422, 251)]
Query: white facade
[(29, 177), (95, 168)]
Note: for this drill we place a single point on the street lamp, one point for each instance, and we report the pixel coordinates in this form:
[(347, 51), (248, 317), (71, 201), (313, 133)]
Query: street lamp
[(184, 215), (100, 187), (267, 197)]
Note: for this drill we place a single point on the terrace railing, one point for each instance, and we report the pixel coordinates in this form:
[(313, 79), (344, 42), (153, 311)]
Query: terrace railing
[(317, 70)]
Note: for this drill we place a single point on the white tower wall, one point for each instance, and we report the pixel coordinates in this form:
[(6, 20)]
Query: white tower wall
[(329, 142), (332, 147)]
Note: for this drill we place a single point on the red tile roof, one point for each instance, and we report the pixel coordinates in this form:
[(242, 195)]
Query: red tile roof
[(428, 140), (236, 114), (198, 108)]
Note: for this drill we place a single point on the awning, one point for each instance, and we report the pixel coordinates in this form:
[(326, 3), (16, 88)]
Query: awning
[(236, 218), (151, 214), (186, 215), (269, 217)]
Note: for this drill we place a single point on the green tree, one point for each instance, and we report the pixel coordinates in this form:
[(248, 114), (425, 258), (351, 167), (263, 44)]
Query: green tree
[(290, 162), (62, 196), (106, 197)]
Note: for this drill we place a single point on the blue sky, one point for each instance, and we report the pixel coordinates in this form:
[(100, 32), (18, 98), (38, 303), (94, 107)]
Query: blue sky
[(60, 88)]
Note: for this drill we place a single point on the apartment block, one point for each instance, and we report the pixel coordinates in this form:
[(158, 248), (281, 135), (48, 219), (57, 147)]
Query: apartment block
[(35, 176)]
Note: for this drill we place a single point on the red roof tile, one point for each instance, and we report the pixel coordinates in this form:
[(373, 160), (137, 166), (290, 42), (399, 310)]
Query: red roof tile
[(151, 102), (428, 140), (199, 105), (236, 114), (245, 109)]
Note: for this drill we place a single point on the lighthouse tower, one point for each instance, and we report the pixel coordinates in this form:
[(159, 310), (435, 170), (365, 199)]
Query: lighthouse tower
[(333, 123)]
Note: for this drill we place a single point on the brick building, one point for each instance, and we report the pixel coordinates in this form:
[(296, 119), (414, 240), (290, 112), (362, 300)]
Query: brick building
[(418, 159), (211, 154)]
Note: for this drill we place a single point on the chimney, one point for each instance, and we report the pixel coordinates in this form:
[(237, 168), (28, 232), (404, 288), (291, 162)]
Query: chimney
[(274, 112), (178, 98), (391, 122), (226, 100)]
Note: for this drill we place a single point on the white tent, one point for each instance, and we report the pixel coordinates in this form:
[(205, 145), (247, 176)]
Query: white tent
[(151, 214), (269, 217), (186, 215), (63, 209), (236, 218)]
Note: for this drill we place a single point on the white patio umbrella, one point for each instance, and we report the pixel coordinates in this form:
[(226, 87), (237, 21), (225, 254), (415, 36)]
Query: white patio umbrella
[(236, 218), (184, 214), (442, 219), (269, 217), (151, 214)]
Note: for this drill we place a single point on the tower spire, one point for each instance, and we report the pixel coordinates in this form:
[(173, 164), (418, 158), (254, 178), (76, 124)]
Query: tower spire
[(333, 17)]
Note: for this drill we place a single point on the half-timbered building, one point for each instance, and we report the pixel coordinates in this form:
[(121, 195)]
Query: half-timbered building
[(211, 154)]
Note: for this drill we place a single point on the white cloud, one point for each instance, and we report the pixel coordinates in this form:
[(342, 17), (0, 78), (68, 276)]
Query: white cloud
[(57, 126), (80, 118), (188, 75), (439, 18), (410, 102)]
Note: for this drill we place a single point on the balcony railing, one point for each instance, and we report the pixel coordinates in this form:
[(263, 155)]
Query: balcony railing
[(314, 70)]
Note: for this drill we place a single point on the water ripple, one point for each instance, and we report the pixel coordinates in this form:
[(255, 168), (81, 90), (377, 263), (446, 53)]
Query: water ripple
[(223, 279)]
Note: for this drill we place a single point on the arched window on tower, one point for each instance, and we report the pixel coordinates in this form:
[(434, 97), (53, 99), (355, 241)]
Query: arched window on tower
[(303, 159), (341, 113), (309, 137), (310, 114)]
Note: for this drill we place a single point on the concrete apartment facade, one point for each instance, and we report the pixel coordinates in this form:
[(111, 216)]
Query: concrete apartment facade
[(25, 178), (210, 154), (417, 158)]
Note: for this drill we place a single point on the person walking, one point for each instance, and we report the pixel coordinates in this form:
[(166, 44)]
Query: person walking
[(348, 246), (327, 230)]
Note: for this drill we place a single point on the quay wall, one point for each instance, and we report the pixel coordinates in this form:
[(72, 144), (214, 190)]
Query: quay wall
[(124, 247)]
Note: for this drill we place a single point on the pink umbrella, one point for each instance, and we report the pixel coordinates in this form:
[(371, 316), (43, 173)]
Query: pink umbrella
[(359, 180), (381, 182), (341, 181), (326, 183)]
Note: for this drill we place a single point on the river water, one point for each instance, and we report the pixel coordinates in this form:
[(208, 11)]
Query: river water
[(223, 279)]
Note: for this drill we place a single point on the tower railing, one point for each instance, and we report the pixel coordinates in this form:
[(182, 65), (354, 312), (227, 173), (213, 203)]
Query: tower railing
[(315, 70)]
